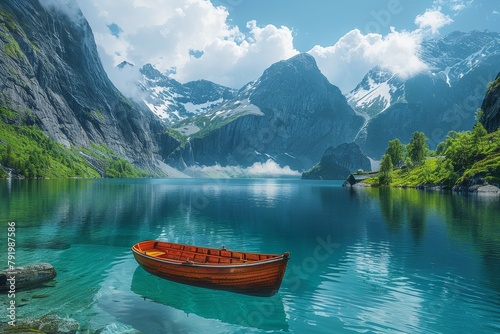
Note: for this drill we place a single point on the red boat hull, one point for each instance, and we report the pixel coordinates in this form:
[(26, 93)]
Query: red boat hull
[(241, 272)]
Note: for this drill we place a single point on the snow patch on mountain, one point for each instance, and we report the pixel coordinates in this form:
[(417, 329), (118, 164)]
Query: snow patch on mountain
[(450, 58)]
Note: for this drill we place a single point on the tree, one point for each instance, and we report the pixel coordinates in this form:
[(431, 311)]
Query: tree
[(478, 135), (385, 176), (417, 148), (395, 151)]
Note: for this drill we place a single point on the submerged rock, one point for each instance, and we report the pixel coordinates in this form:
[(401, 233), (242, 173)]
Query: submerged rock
[(27, 276), (488, 189), (49, 324)]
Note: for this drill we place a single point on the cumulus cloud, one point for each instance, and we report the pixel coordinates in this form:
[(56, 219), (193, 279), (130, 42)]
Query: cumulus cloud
[(193, 39), (190, 38), (239, 62), (346, 62), (433, 20), (257, 170)]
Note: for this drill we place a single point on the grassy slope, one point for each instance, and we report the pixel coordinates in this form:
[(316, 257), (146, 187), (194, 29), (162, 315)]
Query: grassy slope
[(32, 154), (437, 170)]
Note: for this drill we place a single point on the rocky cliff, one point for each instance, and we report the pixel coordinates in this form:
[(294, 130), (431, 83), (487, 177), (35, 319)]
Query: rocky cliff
[(491, 107), (51, 73), (291, 114), (338, 162)]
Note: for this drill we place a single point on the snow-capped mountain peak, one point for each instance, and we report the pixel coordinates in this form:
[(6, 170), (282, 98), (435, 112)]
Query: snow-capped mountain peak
[(172, 101), (450, 58)]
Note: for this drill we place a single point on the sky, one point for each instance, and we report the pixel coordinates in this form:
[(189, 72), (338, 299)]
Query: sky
[(231, 42)]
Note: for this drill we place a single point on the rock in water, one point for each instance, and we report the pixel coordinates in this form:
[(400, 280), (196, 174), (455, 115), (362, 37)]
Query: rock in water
[(27, 276), (49, 323)]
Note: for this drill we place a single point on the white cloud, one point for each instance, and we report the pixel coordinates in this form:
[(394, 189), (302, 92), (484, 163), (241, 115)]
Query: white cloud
[(172, 34), (258, 169), (165, 34), (68, 7), (433, 20), (346, 62), (233, 63), (454, 5)]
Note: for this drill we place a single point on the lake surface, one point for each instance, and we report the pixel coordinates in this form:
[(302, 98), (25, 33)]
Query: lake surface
[(362, 260)]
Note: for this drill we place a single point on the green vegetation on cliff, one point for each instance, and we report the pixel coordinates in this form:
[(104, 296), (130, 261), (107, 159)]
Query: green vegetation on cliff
[(26, 151), (462, 158)]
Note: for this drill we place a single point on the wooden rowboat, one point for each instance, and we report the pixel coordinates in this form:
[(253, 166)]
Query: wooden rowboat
[(242, 272)]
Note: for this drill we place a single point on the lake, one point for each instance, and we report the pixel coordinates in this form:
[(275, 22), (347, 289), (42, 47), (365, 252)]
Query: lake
[(362, 260)]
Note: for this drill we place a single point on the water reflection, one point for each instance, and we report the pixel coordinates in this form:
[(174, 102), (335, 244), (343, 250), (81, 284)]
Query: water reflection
[(247, 311), (469, 219), (362, 260)]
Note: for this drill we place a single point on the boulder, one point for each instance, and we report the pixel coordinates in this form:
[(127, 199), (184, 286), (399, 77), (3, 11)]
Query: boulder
[(48, 324), (26, 276), (488, 189)]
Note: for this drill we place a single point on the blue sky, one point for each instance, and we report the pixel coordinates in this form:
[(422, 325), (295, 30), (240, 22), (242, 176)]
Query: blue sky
[(323, 22), (231, 42)]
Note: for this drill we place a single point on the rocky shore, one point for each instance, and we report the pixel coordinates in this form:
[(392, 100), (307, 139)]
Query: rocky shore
[(476, 189)]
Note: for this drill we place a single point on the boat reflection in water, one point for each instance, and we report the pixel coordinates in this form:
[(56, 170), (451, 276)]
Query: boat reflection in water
[(231, 308)]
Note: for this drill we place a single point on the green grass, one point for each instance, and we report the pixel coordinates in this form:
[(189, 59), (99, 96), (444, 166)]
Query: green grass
[(426, 173), (488, 168), (8, 27), (115, 166), (32, 154), (464, 157)]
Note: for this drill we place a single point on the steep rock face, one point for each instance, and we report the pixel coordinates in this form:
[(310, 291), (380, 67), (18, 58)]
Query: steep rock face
[(50, 70), (442, 99), (291, 114), (338, 162), (491, 107)]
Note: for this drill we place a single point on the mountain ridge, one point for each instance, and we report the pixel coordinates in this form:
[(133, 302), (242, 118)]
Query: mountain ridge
[(291, 114), (52, 75), (442, 99), (173, 101)]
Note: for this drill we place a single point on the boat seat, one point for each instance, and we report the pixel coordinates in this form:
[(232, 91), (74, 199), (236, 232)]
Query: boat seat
[(154, 253)]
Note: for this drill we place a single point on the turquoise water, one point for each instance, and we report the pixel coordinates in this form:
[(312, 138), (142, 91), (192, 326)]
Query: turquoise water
[(362, 260)]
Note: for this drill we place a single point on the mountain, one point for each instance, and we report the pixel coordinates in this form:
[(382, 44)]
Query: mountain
[(291, 115), (172, 101), (491, 107), (51, 74), (338, 162), (444, 98)]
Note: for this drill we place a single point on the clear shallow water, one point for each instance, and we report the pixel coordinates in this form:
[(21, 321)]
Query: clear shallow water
[(362, 260)]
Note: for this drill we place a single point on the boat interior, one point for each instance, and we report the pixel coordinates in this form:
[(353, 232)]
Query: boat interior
[(193, 254)]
